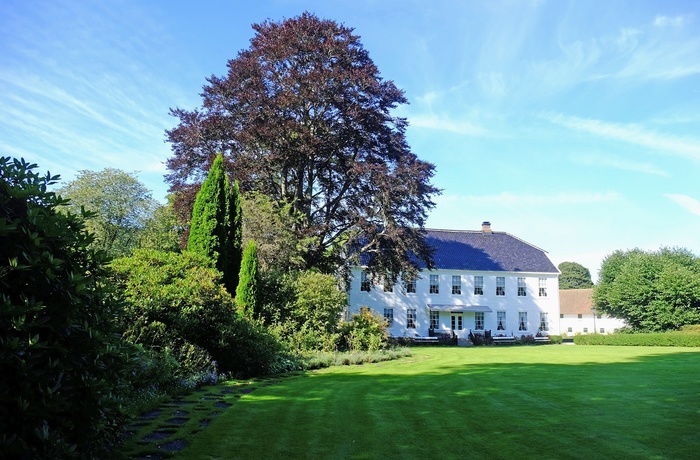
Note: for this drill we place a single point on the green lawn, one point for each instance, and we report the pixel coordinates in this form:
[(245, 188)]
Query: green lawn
[(537, 402)]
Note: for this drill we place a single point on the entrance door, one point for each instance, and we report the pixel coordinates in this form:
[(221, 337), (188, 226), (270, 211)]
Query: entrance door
[(457, 323)]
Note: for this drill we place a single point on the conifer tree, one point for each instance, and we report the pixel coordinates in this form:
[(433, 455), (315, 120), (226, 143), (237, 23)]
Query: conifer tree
[(247, 291), (215, 228)]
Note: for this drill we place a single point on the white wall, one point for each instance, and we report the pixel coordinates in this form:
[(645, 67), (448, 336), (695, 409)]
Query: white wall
[(400, 301), (603, 325)]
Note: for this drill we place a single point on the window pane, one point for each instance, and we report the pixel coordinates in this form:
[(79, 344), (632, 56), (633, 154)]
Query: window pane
[(434, 319), (478, 285), (479, 321), (411, 287), (501, 319), (521, 287), (456, 284), (522, 321), (434, 284), (364, 282), (389, 316), (500, 285), (411, 318)]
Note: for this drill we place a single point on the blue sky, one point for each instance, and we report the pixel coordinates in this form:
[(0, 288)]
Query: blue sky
[(571, 125)]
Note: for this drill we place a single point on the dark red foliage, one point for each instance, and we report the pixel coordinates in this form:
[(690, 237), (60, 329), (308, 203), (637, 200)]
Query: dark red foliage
[(304, 117)]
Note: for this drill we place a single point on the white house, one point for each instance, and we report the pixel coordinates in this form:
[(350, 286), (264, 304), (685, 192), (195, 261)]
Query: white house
[(482, 280), (577, 316)]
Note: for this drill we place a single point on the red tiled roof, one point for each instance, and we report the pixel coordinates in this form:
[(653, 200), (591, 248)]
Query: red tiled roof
[(575, 301)]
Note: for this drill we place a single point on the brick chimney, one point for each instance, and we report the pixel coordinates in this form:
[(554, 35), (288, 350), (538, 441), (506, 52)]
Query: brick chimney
[(486, 227)]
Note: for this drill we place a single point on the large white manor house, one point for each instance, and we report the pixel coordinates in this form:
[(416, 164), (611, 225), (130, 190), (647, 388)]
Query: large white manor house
[(482, 280)]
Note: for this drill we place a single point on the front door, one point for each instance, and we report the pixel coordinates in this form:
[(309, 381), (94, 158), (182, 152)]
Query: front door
[(457, 324)]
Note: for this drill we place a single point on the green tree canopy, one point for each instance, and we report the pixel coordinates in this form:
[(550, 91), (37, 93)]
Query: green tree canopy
[(652, 291), (163, 230), (122, 206), (574, 276), (272, 228), (215, 229), (304, 117)]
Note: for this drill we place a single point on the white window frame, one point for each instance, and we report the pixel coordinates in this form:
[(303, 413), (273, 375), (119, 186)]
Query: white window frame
[(411, 286), (435, 284), (434, 319), (456, 287), (479, 321), (522, 321), (501, 320), (500, 286), (543, 287), (365, 283), (522, 287), (389, 316), (544, 321), (411, 318), (478, 285)]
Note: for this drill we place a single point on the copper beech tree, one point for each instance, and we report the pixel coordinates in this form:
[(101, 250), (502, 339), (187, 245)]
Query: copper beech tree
[(304, 117)]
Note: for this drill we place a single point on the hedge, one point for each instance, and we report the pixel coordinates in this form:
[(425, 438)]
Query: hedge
[(662, 339)]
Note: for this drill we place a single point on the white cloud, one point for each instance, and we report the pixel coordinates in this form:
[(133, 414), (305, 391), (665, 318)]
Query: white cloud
[(633, 134), (665, 21), (690, 204), (445, 123), (517, 199), (599, 160)]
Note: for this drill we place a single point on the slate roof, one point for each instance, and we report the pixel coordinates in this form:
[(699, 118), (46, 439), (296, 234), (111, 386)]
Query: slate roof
[(494, 251)]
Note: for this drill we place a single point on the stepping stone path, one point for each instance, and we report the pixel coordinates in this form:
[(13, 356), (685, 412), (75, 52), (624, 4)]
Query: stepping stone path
[(158, 434)]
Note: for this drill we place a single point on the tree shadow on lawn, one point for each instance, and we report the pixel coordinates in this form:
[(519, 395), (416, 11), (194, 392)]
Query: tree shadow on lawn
[(645, 406)]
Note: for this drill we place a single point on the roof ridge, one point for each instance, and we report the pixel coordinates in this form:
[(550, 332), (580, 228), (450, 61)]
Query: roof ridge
[(479, 231)]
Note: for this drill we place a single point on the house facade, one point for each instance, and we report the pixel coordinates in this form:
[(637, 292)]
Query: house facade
[(576, 314), (482, 280)]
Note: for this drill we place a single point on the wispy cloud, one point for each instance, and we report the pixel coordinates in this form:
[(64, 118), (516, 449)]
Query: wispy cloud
[(617, 163), (689, 203), (446, 123), (632, 134), (518, 199), (665, 21)]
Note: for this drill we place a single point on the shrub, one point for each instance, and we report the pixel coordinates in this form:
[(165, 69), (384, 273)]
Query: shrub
[(176, 304), (366, 331), (303, 310), (61, 363), (664, 339)]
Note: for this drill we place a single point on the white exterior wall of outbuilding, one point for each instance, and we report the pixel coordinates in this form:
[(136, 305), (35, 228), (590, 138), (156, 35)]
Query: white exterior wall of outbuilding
[(571, 324), (465, 305)]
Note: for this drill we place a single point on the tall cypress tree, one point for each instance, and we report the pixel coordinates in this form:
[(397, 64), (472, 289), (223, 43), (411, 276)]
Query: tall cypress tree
[(216, 223), (234, 237), (247, 290)]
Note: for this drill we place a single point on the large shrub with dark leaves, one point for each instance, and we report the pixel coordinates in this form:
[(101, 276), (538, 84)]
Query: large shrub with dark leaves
[(61, 362)]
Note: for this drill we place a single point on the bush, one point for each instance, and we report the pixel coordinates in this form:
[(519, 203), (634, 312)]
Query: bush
[(61, 362), (366, 331), (662, 339), (176, 305), (303, 309)]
